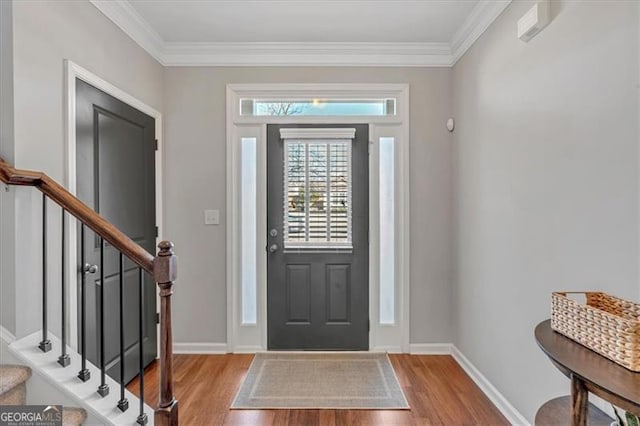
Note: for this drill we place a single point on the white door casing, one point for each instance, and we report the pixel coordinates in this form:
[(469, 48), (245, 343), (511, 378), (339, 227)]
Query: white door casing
[(74, 71), (253, 337)]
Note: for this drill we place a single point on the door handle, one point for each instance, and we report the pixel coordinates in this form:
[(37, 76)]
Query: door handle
[(90, 269), (273, 248)]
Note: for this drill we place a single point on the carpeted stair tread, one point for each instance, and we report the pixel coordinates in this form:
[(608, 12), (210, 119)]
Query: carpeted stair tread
[(12, 376), (13, 388), (72, 416)]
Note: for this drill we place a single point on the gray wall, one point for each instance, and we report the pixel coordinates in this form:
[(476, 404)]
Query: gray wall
[(195, 180), (7, 205), (46, 33), (545, 183)]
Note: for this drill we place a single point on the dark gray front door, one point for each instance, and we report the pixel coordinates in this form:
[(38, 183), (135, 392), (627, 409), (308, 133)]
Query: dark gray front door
[(116, 176), (317, 242)]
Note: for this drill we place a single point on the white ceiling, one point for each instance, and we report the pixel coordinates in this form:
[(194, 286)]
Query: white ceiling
[(304, 32), (377, 21)]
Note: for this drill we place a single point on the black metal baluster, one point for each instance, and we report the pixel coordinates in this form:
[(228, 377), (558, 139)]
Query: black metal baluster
[(45, 344), (142, 417), (123, 404), (64, 359), (103, 389), (84, 373)]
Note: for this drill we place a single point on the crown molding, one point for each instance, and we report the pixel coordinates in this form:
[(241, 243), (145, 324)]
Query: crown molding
[(302, 54), (133, 24), (480, 18), (308, 54)]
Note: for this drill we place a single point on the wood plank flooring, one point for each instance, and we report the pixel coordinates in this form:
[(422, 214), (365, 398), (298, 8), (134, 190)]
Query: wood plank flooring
[(438, 391)]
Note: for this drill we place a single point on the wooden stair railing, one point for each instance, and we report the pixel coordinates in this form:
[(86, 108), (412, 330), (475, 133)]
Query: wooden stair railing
[(163, 268)]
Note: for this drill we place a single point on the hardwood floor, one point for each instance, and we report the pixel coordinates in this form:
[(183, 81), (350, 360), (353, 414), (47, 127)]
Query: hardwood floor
[(438, 391)]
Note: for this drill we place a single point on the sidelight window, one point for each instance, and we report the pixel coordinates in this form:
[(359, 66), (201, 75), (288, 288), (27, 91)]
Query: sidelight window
[(249, 244), (387, 230), (317, 202)]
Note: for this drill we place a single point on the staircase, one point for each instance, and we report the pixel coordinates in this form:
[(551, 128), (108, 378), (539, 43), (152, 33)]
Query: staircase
[(13, 391), (47, 353)]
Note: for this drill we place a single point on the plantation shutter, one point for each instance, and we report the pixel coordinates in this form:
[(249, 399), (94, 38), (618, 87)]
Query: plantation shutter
[(317, 188)]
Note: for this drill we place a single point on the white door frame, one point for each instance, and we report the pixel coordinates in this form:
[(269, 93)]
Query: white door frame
[(253, 337), (74, 71)]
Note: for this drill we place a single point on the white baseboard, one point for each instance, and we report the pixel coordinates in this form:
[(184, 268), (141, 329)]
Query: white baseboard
[(388, 349), (509, 411), (203, 348), (430, 348), (247, 349), (6, 336), (501, 403)]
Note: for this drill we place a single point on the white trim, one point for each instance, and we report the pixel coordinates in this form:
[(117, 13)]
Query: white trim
[(388, 349), (318, 133), (74, 71), (261, 205), (65, 381), (200, 348), (125, 16), (307, 54), (374, 246), (509, 411), (431, 348), (480, 18), (318, 90), (248, 349), (403, 230), (255, 336), (233, 280), (396, 334), (6, 335), (345, 54)]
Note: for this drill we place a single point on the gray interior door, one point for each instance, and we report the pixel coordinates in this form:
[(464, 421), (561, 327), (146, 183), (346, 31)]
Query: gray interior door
[(116, 176), (317, 242)]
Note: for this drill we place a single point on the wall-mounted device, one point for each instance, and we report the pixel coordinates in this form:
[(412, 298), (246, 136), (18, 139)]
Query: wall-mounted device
[(534, 20), (451, 124), (212, 217)]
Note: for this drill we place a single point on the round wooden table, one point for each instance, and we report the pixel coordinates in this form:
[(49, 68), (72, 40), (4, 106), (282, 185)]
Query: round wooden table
[(589, 372)]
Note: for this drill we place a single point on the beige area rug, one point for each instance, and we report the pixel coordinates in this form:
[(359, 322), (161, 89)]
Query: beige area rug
[(320, 381)]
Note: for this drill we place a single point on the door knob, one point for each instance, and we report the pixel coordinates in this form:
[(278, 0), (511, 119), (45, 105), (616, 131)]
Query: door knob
[(90, 269), (273, 248)]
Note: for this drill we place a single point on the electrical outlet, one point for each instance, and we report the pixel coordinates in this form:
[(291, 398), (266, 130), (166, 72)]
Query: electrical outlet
[(212, 217)]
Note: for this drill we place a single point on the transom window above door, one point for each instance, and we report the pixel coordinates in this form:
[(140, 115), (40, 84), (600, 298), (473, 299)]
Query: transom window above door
[(318, 107), (318, 185)]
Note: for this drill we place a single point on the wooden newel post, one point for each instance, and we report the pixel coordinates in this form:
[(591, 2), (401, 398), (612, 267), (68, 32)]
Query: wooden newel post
[(165, 273)]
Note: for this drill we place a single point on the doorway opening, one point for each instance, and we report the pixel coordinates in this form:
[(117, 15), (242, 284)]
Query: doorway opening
[(148, 125), (285, 117), (318, 236)]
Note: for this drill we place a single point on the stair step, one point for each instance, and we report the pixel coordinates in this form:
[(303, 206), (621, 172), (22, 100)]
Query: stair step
[(72, 416), (82, 394), (13, 378)]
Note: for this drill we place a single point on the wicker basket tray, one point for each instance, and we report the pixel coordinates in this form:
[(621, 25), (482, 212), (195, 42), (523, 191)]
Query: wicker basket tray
[(607, 325)]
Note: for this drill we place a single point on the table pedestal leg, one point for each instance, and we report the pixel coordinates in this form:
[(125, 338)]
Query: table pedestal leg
[(579, 402)]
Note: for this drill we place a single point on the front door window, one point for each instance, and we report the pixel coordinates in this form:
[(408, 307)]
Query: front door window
[(317, 205)]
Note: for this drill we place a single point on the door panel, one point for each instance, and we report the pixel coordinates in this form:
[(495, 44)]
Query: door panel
[(338, 282), (298, 293), (115, 147), (318, 296)]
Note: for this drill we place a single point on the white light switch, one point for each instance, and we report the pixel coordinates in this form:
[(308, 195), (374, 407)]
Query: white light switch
[(212, 217)]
